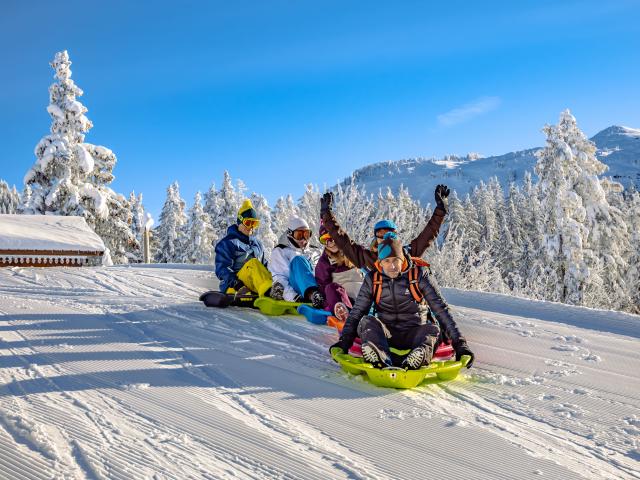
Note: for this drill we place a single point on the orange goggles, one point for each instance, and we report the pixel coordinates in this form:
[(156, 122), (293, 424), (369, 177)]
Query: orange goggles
[(326, 238), (251, 222), (301, 234)]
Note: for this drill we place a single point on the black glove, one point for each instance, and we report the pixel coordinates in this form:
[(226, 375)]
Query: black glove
[(442, 197), (326, 203), (238, 285), (341, 345), (461, 349)]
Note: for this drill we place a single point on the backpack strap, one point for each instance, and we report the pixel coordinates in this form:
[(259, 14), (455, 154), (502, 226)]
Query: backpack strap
[(414, 286), (377, 286)]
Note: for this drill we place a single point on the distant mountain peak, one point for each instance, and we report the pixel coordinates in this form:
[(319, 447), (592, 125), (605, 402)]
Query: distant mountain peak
[(618, 147)]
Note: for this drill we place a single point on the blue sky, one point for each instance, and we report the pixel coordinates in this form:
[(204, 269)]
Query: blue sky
[(286, 93)]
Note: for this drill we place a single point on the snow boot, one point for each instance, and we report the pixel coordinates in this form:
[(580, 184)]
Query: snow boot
[(317, 300), (341, 311), (375, 356), (277, 291), (416, 358)]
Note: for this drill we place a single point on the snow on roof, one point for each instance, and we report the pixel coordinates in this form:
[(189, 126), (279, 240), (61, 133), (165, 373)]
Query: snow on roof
[(48, 233)]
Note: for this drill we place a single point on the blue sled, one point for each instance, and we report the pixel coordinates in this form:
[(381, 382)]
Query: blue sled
[(319, 317)]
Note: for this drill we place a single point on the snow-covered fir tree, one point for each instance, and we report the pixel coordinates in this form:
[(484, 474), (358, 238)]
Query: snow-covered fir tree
[(564, 214), (265, 232), (138, 217), (284, 209), (309, 209), (200, 237), (355, 211), (9, 198), (170, 232), (71, 177), (138, 220), (222, 205), (632, 205)]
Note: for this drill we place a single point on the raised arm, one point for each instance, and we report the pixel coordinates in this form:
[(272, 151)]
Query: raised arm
[(430, 232), (360, 256)]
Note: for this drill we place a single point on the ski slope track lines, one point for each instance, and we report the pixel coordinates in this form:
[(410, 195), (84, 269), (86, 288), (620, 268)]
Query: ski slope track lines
[(121, 373)]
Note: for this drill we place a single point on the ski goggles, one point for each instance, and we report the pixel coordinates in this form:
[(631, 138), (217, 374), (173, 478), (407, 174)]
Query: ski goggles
[(326, 238), (301, 234), (251, 222), (381, 232)]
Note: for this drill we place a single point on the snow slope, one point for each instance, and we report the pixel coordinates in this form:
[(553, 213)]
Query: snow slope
[(120, 373), (618, 147)]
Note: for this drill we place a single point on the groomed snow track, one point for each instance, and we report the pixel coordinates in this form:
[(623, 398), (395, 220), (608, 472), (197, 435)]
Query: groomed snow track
[(120, 373)]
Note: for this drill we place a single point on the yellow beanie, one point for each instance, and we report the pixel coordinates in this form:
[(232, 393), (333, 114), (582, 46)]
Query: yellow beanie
[(246, 211)]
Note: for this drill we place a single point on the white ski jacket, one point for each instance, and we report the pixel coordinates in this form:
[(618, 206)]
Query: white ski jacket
[(281, 257)]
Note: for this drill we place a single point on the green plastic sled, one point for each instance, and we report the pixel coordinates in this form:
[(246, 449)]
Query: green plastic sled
[(436, 371), (269, 306)]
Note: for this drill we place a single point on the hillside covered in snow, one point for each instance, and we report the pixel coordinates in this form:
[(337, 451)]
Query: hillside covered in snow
[(618, 147), (121, 373)]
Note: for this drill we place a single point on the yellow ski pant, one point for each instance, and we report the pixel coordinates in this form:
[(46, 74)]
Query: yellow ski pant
[(255, 277)]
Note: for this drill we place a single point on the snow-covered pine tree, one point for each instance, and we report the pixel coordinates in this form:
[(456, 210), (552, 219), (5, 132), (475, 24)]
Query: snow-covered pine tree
[(9, 198), (509, 248), (200, 237), (564, 215), (355, 212), (264, 233), (309, 209), (632, 205), (25, 198), (170, 232), (386, 206), (71, 177), (138, 220), (410, 216), (284, 209), (58, 178), (449, 261)]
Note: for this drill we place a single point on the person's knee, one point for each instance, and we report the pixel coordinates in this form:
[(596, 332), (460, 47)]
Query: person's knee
[(252, 263), (366, 323), (300, 262)]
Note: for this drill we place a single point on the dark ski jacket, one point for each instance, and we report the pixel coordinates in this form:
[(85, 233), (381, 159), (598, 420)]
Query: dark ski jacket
[(232, 252), (363, 257), (397, 308)]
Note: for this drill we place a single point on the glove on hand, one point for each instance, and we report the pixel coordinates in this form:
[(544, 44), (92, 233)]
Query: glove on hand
[(338, 346), (442, 197), (326, 203), (461, 349)]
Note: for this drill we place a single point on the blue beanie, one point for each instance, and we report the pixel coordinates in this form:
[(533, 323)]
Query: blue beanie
[(385, 224), (390, 247)]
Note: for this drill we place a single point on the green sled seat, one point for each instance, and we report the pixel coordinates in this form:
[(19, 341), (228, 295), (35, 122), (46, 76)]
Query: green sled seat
[(436, 371), (269, 306)]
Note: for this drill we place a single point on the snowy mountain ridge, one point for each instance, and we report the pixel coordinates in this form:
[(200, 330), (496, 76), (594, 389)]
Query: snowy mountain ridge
[(618, 147)]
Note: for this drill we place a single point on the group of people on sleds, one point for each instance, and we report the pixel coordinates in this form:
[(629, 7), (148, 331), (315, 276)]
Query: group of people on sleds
[(385, 294)]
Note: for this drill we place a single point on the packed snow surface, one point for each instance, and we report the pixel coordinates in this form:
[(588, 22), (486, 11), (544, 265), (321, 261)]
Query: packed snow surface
[(121, 373), (47, 232)]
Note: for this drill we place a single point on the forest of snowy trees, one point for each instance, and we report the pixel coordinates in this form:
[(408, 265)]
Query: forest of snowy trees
[(569, 234)]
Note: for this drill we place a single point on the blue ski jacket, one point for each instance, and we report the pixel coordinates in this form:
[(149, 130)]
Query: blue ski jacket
[(232, 252)]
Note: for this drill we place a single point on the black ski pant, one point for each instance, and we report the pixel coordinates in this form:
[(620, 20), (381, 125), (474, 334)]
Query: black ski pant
[(371, 329)]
